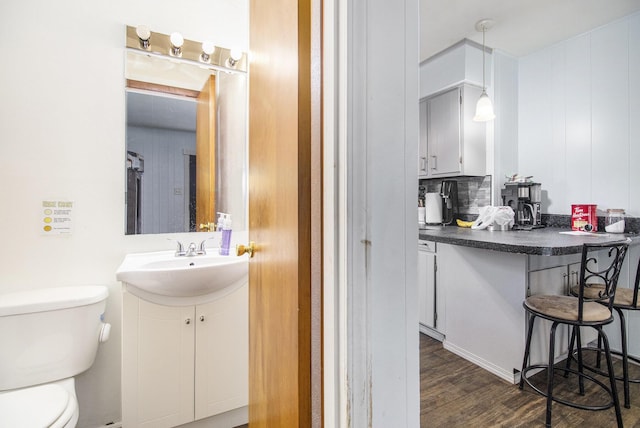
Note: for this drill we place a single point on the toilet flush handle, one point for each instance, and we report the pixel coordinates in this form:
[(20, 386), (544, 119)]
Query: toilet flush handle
[(104, 332)]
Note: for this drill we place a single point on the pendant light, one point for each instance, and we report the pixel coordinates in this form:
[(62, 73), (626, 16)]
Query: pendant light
[(484, 107)]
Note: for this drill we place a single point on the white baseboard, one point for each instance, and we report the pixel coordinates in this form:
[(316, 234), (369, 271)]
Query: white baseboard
[(498, 371), (432, 333)]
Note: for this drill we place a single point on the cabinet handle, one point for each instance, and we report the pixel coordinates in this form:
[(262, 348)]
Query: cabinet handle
[(423, 164), (434, 162), (201, 318), (187, 321)]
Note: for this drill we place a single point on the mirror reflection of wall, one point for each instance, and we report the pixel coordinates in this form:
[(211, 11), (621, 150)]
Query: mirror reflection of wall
[(161, 132), (161, 137)]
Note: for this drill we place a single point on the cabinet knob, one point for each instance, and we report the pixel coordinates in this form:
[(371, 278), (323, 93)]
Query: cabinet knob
[(201, 318), (187, 321)]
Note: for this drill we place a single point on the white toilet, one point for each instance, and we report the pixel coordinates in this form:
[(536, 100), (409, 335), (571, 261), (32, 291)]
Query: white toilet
[(47, 336)]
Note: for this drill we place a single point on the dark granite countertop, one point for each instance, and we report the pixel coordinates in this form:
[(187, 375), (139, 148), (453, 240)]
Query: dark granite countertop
[(546, 241)]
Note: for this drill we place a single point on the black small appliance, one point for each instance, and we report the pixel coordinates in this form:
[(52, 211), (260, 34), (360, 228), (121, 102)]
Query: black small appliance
[(524, 198), (449, 193)]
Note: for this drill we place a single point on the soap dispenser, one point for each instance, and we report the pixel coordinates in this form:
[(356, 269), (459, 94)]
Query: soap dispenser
[(225, 241)]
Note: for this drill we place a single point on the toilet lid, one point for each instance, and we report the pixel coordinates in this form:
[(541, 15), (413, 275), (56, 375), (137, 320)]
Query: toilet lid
[(51, 401)]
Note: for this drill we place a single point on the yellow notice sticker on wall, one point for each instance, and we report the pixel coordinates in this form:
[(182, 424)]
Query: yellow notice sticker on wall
[(57, 217)]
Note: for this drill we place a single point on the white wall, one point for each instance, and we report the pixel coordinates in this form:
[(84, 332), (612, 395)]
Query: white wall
[(382, 129), (579, 119), (502, 150), (163, 210), (62, 115)]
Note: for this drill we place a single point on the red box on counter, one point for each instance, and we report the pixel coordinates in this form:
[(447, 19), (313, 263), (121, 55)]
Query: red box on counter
[(583, 217)]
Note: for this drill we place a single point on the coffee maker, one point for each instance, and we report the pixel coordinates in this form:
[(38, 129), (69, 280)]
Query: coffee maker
[(449, 193), (524, 198)]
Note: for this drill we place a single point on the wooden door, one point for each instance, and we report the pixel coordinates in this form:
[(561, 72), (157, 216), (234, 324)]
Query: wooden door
[(206, 154), (285, 214)]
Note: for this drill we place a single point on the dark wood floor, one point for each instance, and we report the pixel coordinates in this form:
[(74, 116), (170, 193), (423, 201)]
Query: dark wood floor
[(457, 393)]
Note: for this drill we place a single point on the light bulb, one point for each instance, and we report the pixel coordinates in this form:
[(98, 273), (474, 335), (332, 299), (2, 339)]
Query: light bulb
[(176, 43), (234, 56), (176, 39), (484, 109), (207, 49), (144, 34)]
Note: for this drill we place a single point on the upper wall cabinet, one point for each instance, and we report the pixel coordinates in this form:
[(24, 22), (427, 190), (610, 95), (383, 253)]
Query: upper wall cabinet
[(451, 143)]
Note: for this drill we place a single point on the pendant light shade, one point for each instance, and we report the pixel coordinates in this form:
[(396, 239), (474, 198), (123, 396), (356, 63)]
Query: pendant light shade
[(484, 107)]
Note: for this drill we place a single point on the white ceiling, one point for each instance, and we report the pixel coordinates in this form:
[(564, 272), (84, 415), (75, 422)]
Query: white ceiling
[(521, 26)]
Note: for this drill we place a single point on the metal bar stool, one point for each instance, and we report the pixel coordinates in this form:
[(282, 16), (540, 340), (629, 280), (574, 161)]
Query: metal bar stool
[(625, 299), (578, 311)]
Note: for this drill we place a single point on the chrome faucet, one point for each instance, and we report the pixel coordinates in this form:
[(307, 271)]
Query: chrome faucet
[(179, 249), (192, 250)]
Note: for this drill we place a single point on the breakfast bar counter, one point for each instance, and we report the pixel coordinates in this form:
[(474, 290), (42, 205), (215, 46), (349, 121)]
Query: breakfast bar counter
[(548, 241), (484, 276)]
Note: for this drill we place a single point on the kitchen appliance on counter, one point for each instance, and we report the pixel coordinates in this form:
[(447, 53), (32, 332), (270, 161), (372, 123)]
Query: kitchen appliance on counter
[(525, 199), (449, 194), (433, 208)]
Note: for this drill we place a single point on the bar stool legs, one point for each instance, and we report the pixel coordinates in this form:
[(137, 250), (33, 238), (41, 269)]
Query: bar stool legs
[(575, 336), (624, 353)]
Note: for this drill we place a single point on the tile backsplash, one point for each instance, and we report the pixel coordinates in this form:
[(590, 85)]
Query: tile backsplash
[(473, 193)]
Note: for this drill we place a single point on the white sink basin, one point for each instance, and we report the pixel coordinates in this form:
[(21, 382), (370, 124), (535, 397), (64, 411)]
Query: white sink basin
[(164, 278)]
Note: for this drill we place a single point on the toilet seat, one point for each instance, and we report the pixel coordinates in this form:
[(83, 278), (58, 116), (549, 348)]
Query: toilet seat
[(44, 406)]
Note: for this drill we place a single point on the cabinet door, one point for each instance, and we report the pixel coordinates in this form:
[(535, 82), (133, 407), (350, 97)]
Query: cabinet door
[(548, 281), (158, 364), (443, 133), (426, 288), (440, 318), (222, 354), (422, 151)]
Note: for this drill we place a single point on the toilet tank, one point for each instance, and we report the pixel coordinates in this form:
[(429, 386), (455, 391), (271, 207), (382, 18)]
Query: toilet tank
[(49, 334)]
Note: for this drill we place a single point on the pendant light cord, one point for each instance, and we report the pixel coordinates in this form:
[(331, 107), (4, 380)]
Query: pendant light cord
[(484, 86)]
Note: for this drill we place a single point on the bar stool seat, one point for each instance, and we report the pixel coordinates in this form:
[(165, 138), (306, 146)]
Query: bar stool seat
[(566, 308), (625, 299), (578, 311)]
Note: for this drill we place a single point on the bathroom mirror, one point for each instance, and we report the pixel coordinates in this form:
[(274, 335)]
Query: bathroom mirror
[(182, 170)]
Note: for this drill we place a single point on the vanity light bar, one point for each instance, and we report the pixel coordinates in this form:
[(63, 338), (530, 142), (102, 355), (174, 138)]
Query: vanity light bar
[(159, 44)]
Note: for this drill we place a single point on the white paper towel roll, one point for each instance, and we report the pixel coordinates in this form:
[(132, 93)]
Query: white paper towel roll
[(433, 207)]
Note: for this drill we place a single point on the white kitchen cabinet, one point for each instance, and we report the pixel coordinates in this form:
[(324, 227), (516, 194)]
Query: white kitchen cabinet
[(422, 149), (455, 144), (431, 299), (182, 364)]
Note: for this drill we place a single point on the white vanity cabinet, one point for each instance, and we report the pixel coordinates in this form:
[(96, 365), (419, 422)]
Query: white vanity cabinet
[(183, 363), (431, 299), (451, 143)]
